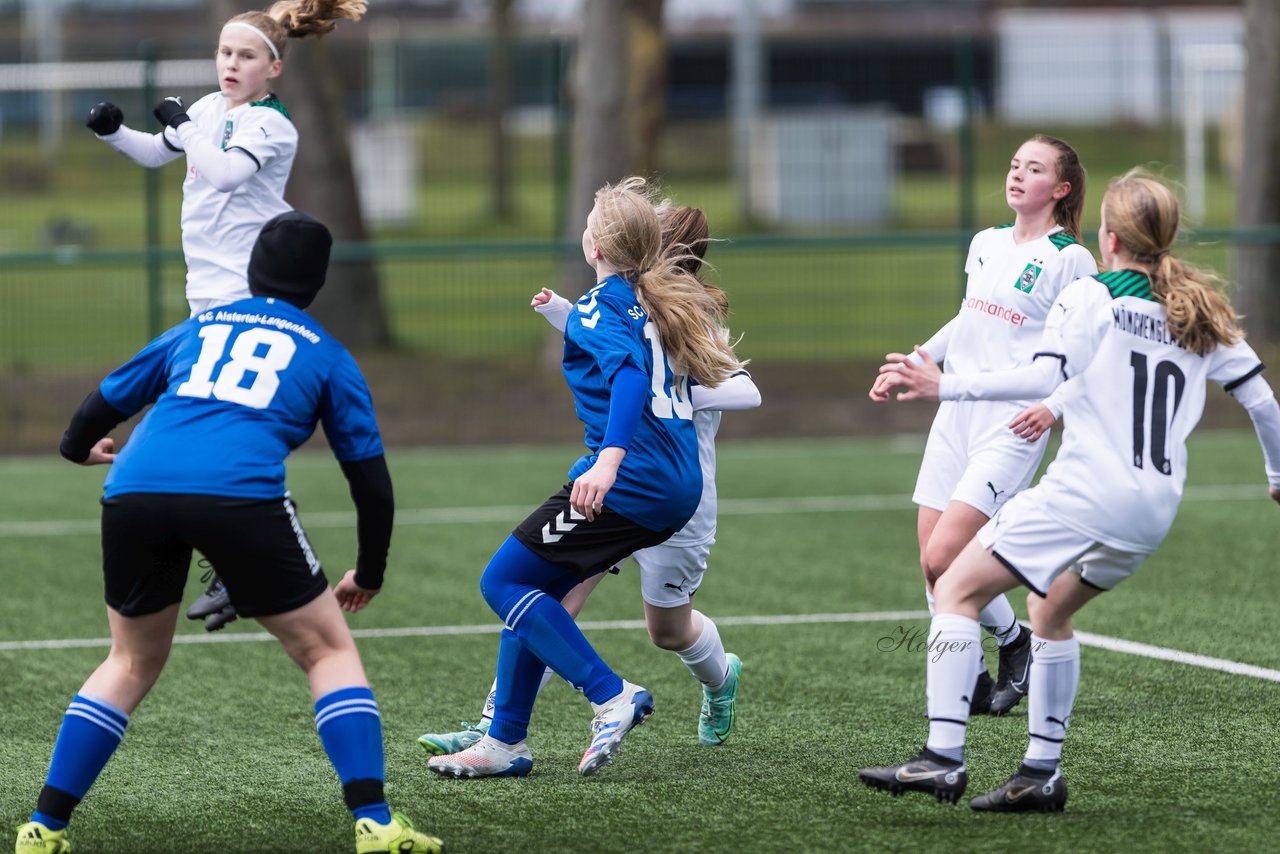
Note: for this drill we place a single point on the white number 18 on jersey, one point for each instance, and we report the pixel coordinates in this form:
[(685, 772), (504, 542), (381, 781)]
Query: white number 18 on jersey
[(245, 358)]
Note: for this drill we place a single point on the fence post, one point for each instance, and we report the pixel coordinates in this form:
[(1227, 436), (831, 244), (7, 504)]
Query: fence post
[(965, 78), (152, 199)]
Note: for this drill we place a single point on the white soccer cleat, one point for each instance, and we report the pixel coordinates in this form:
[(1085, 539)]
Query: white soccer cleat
[(614, 720), (488, 757)]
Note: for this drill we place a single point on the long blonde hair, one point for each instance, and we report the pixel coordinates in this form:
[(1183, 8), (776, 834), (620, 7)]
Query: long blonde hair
[(296, 19), (628, 232), (1143, 214)]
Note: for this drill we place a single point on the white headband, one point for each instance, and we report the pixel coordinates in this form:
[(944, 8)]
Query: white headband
[(260, 33)]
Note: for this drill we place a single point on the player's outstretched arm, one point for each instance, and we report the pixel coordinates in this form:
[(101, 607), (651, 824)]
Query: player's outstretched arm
[(553, 307), (737, 392), (146, 149), (917, 379), (1257, 398)]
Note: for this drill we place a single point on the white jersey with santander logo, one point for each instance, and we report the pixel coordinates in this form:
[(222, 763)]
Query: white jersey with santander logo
[(1119, 474), (1011, 288), (219, 228)]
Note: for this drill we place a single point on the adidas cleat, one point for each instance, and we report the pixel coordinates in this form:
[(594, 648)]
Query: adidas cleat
[(398, 837), (1014, 675), (444, 743), (717, 717), (928, 772), (612, 722), (1028, 790), (488, 757), (35, 838)]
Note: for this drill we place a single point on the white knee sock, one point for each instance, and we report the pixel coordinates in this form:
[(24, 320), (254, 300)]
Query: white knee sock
[(933, 603), (705, 659), (1055, 678), (487, 713), (955, 654), (999, 619)]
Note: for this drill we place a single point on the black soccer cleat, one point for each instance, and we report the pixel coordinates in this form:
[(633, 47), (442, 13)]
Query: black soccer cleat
[(1028, 790), (928, 772), (982, 689), (1014, 675)]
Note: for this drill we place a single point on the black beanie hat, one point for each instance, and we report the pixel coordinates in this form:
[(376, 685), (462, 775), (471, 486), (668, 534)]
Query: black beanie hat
[(290, 258)]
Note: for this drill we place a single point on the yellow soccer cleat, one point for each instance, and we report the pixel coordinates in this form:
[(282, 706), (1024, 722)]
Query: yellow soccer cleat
[(398, 837), (35, 838)]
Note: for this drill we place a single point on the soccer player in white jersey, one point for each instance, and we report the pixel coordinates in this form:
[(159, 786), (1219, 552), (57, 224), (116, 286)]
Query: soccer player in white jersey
[(239, 144), (972, 464), (1141, 341), (671, 572)]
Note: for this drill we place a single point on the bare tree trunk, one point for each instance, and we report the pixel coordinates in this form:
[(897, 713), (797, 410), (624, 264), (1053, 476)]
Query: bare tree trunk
[(323, 184), (1257, 265), (648, 83), (601, 147), (500, 49)]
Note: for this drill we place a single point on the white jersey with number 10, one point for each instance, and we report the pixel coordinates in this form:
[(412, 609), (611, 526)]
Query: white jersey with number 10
[(1118, 476)]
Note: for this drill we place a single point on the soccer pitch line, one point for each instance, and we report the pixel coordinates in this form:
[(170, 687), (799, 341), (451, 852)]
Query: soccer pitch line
[(1120, 645), (512, 514)]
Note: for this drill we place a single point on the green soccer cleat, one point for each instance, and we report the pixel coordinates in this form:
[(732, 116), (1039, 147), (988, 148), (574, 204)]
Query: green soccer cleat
[(398, 837), (35, 838), (445, 743), (716, 721)]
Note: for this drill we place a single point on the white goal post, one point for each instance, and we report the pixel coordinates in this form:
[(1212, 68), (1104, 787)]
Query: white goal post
[(1198, 62)]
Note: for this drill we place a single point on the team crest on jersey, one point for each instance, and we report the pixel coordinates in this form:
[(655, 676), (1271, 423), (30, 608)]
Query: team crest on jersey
[(1027, 280), (227, 129)]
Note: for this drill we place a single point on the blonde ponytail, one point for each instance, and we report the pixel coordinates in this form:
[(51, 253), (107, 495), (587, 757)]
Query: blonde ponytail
[(296, 19), (627, 229), (1143, 214)]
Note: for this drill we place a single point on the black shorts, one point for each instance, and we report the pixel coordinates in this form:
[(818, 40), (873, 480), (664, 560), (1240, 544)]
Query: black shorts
[(257, 546), (557, 533)]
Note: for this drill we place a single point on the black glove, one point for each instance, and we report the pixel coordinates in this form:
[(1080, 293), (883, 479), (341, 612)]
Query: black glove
[(105, 118), (171, 112)]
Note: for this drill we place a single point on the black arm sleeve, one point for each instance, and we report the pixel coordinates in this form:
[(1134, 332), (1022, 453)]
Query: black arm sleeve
[(94, 419), (370, 483)]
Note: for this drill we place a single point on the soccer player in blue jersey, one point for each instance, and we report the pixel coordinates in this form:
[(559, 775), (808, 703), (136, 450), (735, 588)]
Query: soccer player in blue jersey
[(234, 390), (670, 573), (631, 345)]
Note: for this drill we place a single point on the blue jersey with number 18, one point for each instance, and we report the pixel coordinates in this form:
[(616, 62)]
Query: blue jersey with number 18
[(660, 480), (235, 390)]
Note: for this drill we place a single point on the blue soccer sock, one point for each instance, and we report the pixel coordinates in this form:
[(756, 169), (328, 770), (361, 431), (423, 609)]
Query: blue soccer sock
[(350, 728), (525, 591), (520, 676), (91, 730)]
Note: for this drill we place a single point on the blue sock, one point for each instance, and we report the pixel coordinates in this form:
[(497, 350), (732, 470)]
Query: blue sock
[(91, 730), (525, 591), (350, 728), (519, 677)]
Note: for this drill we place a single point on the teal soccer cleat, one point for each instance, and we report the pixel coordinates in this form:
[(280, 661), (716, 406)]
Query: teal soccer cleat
[(716, 721)]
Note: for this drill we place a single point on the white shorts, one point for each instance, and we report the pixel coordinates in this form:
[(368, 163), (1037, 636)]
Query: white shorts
[(1037, 548), (671, 574), (973, 456)]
